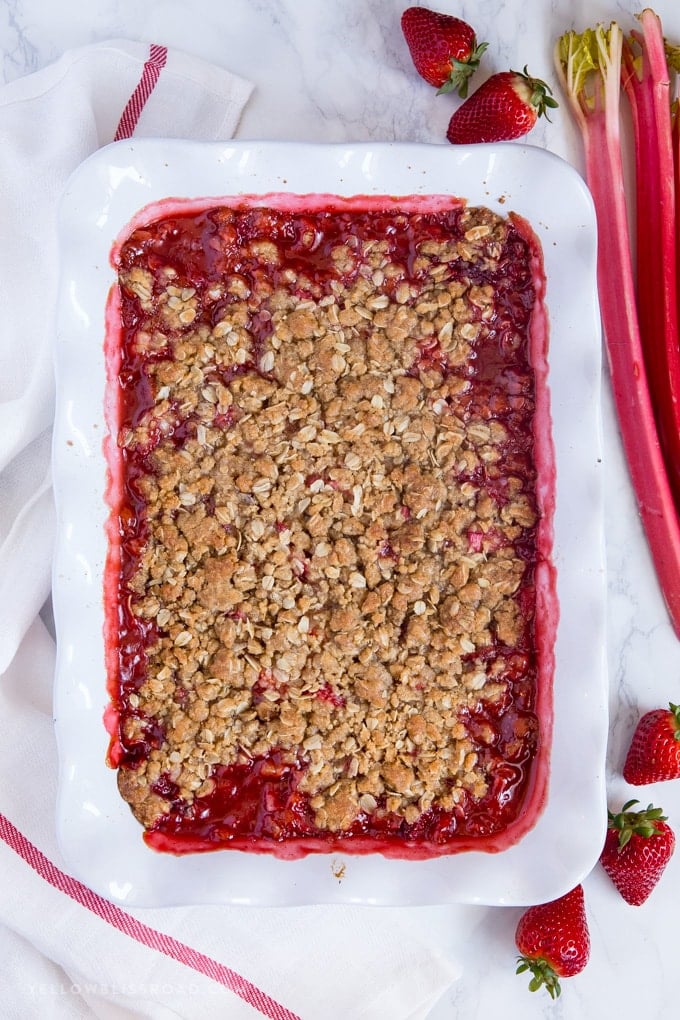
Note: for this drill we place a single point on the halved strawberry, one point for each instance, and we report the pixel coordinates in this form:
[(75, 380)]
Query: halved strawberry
[(506, 106), (554, 941), (444, 49)]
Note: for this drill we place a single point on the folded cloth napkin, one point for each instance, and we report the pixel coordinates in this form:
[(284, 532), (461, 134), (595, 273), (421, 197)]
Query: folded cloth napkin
[(66, 951)]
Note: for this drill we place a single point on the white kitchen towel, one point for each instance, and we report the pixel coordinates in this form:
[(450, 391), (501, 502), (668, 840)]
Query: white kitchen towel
[(65, 951)]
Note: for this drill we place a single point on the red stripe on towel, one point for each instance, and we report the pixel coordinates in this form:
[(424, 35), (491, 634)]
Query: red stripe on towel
[(137, 101), (130, 926)]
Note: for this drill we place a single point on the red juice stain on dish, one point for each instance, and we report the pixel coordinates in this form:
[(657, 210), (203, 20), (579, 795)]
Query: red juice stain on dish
[(257, 805)]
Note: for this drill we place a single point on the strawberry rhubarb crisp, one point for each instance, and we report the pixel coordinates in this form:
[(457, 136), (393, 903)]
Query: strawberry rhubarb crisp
[(329, 591)]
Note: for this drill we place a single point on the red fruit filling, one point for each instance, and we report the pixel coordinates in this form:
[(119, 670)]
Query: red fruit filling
[(330, 606)]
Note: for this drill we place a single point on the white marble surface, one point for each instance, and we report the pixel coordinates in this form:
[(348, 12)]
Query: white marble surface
[(341, 71)]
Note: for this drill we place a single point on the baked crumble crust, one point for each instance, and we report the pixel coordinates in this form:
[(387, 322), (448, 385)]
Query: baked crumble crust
[(335, 518)]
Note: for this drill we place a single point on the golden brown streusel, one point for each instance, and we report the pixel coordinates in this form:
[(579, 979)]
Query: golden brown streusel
[(328, 531)]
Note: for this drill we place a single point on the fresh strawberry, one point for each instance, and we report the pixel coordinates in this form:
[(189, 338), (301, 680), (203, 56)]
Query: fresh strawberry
[(554, 941), (654, 752), (637, 848), (443, 48), (506, 106)]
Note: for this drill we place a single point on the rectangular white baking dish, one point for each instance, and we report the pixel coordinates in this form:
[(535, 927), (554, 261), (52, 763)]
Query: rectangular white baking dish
[(100, 839)]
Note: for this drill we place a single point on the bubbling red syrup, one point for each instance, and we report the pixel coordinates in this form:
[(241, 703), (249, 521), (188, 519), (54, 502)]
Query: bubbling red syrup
[(257, 804)]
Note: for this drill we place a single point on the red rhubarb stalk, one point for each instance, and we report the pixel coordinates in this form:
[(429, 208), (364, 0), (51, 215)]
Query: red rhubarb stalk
[(673, 61), (646, 81), (676, 178), (589, 65)]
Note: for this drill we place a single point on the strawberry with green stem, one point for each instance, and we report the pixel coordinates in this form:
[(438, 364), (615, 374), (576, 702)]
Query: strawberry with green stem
[(637, 848), (654, 752), (554, 941), (505, 107), (444, 49)]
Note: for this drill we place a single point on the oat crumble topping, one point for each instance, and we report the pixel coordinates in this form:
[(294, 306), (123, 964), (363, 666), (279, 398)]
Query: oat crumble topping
[(328, 529)]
